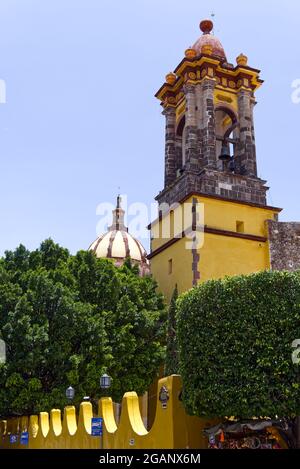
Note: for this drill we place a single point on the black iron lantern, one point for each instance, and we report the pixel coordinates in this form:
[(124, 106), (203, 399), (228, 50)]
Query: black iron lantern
[(70, 393), (105, 381)]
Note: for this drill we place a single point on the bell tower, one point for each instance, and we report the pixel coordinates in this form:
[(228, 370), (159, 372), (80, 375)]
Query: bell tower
[(208, 106), (210, 167)]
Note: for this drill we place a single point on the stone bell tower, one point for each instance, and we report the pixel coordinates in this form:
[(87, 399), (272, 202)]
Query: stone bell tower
[(211, 173), (208, 105)]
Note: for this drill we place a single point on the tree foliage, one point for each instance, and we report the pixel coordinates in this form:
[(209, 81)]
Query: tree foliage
[(172, 366), (235, 343), (66, 320)]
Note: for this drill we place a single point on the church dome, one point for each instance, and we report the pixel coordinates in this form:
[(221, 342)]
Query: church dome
[(208, 39), (118, 244)]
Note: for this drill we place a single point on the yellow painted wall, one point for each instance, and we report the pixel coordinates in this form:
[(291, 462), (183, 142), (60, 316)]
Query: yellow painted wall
[(220, 255), (172, 427), (223, 214), (181, 268), (171, 226)]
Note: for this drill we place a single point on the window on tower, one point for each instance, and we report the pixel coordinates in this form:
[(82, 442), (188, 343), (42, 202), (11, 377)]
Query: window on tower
[(240, 227)]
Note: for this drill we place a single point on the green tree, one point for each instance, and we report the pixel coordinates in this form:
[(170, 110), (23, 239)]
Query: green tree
[(68, 319), (235, 344), (172, 366)]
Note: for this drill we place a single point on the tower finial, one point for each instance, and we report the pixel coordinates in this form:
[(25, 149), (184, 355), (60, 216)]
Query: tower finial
[(118, 217), (206, 26)]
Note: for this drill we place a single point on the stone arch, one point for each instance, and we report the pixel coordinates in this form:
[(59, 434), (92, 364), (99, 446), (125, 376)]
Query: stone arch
[(180, 144)]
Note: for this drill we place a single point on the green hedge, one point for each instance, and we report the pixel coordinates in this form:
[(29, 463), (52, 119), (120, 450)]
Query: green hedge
[(235, 345)]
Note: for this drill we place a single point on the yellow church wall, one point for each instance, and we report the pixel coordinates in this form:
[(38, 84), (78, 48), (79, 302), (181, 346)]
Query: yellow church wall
[(171, 225), (220, 255), (218, 213), (223, 214), (181, 275)]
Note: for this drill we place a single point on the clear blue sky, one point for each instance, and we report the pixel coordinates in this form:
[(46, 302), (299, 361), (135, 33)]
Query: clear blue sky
[(81, 120)]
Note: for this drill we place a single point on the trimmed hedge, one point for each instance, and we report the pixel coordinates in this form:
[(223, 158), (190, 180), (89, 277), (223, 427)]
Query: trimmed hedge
[(235, 344)]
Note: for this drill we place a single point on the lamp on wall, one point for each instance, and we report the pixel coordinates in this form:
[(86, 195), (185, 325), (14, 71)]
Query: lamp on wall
[(70, 393), (105, 381)]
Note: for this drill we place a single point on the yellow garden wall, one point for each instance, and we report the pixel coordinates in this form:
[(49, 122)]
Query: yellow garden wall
[(172, 427)]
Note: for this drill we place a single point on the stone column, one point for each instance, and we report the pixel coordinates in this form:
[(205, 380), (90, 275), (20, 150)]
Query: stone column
[(246, 154), (191, 137), (207, 125), (253, 104), (170, 146), (179, 155)]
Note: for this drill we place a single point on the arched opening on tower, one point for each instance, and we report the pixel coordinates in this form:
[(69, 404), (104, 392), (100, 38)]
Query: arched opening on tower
[(226, 132), (180, 146)]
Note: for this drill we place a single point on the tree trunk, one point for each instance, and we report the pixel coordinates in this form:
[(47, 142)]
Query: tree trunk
[(297, 428)]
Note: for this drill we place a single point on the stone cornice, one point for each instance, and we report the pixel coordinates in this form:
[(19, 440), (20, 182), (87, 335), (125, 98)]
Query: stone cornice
[(194, 71)]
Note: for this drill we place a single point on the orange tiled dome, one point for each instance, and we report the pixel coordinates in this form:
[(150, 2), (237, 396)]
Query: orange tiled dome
[(207, 38)]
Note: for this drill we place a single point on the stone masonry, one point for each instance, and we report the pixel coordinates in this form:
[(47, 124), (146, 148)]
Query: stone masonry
[(170, 146), (284, 239), (246, 152), (200, 171), (215, 183)]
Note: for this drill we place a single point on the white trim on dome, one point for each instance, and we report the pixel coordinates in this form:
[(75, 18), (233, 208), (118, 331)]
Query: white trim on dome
[(118, 246), (117, 241), (102, 247)]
